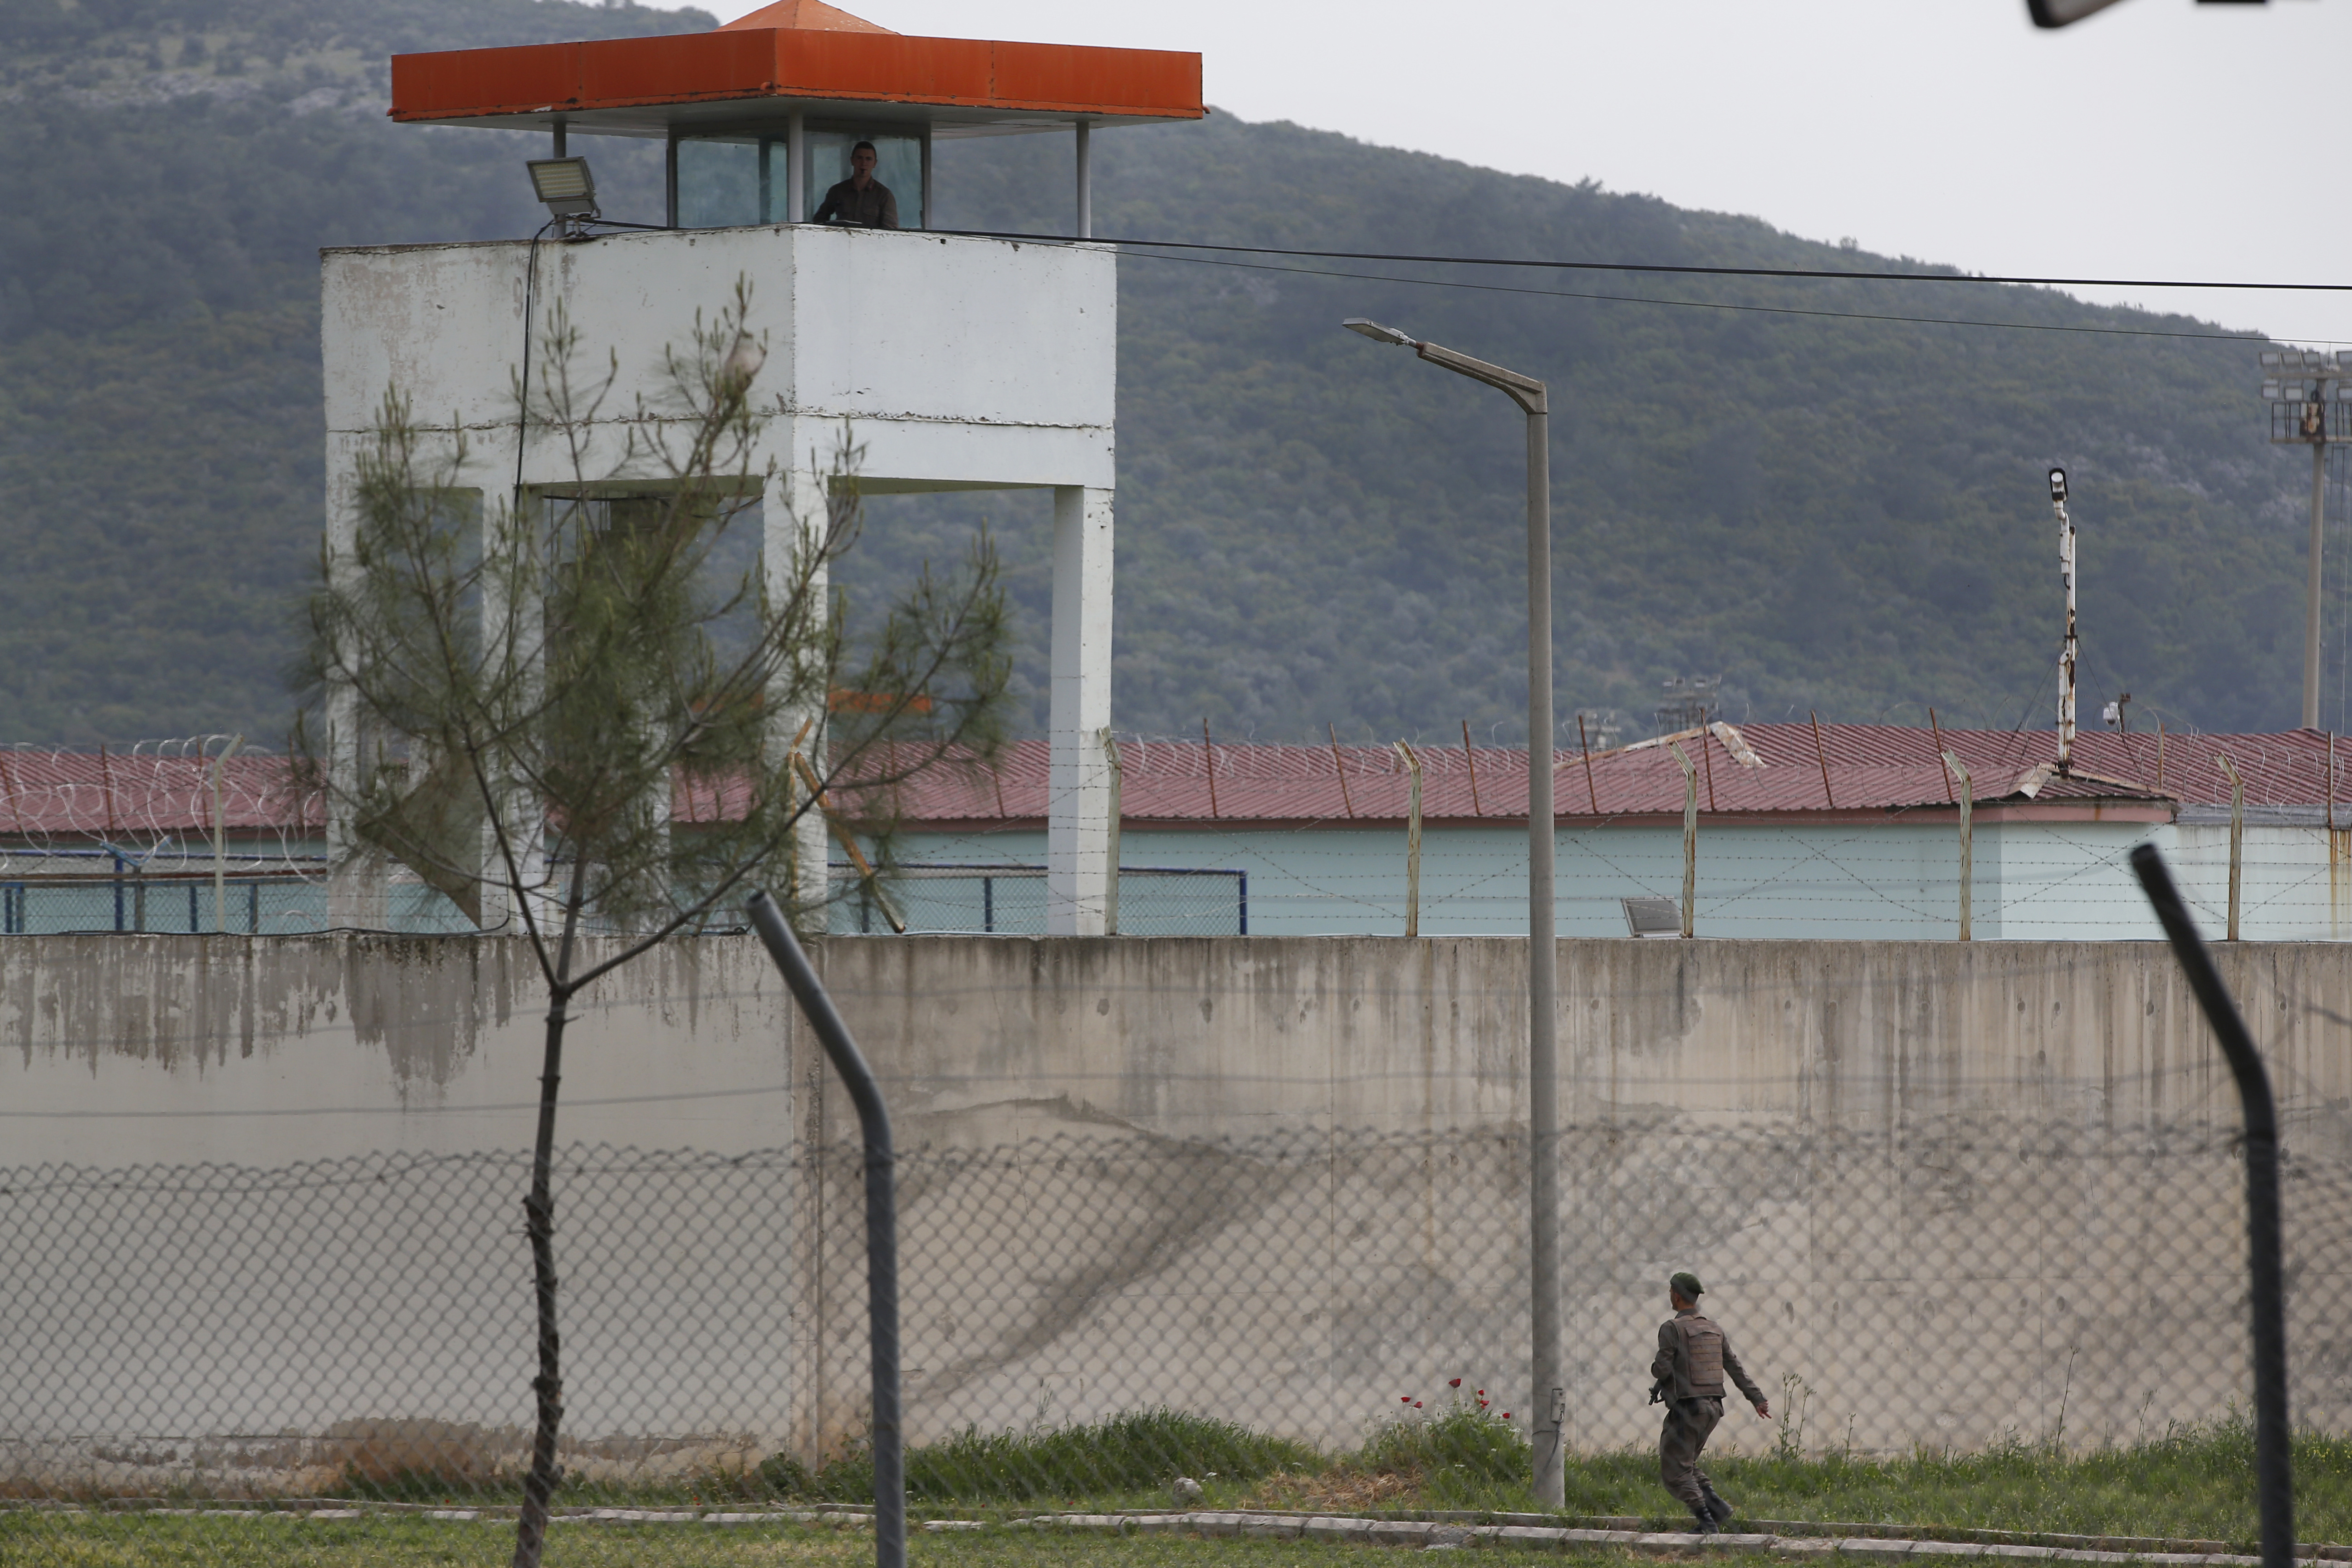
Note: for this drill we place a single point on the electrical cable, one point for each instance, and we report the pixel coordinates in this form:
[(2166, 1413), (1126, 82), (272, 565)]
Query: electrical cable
[(1666, 268), (2019, 731), (2340, 486), (1716, 305), (530, 296)]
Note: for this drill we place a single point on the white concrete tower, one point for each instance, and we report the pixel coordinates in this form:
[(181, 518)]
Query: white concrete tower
[(959, 363)]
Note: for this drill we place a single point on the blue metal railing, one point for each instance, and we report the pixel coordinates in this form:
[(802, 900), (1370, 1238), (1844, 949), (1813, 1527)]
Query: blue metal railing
[(1153, 900)]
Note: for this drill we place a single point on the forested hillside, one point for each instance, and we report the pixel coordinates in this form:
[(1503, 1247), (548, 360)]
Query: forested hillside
[(1834, 510)]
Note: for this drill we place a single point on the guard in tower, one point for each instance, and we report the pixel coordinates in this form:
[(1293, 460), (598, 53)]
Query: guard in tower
[(860, 201)]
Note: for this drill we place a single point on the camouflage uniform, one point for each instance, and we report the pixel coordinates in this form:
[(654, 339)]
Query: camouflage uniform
[(1693, 1357)]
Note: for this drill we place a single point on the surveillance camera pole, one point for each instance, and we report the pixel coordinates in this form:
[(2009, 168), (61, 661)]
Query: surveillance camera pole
[(2307, 383), (2310, 587), (1548, 1411), (2067, 654)]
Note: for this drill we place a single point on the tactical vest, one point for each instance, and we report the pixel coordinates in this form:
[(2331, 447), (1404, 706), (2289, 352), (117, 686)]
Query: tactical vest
[(1702, 1356)]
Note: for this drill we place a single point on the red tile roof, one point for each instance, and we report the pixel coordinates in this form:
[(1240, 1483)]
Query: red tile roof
[(1872, 769)]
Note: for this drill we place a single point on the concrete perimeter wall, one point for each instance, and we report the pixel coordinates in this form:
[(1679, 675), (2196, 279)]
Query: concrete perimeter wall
[(1277, 1179), (187, 1048)]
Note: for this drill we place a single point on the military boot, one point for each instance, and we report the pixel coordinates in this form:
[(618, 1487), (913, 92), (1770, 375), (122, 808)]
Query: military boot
[(1717, 1507), (1703, 1522)]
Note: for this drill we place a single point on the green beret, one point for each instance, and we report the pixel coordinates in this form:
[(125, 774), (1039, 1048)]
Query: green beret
[(1687, 1286)]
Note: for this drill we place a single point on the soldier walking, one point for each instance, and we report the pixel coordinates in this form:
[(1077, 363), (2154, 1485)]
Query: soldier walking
[(1692, 1356)]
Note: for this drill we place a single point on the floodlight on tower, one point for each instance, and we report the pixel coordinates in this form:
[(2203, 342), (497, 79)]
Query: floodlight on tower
[(2299, 386), (567, 187)]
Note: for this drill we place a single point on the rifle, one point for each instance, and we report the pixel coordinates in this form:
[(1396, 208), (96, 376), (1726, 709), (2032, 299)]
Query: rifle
[(1658, 1392)]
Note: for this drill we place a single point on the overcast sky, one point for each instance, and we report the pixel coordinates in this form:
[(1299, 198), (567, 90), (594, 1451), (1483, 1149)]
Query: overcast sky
[(2158, 138)]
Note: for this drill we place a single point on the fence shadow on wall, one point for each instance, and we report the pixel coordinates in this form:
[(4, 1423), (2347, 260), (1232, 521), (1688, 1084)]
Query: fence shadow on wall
[(362, 1327)]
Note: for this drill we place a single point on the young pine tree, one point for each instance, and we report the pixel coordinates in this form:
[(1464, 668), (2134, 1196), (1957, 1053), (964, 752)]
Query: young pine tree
[(574, 719)]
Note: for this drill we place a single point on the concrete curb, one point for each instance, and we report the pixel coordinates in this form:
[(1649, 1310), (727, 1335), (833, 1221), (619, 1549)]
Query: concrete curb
[(1441, 1533), (1438, 1531), (492, 1513)]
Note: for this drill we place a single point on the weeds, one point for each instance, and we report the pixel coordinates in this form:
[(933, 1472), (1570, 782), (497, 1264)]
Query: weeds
[(1465, 1456), (1140, 1452)]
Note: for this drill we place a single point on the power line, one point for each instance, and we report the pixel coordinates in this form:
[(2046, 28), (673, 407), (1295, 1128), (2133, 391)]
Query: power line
[(1661, 267), (1710, 304)]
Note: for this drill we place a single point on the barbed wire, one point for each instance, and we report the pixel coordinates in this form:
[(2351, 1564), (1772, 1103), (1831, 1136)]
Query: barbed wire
[(151, 806)]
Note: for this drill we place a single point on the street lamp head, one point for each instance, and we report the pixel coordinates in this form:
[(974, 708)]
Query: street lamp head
[(2058, 486), (1379, 333)]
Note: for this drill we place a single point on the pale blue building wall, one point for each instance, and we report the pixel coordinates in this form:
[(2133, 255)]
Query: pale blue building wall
[(1891, 881), (2069, 881)]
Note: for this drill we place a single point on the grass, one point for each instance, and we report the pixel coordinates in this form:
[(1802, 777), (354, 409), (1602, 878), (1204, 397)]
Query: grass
[(2187, 1485), (2197, 1484), (127, 1542)]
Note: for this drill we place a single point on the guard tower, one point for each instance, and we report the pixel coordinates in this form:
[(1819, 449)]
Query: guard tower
[(962, 363)]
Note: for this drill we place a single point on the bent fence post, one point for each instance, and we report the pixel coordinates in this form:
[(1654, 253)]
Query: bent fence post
[(2273, 1467), (881, 1223)]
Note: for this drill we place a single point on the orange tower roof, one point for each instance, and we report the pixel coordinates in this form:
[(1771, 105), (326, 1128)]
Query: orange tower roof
[(813, 15), (793, 55)]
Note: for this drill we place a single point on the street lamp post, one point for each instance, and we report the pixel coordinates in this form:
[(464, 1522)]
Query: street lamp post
[(1549, 1408), (2308, 394)]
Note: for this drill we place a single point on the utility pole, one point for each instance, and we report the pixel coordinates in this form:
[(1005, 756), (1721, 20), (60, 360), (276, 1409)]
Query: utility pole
[(2306, 399), (2067, 654)]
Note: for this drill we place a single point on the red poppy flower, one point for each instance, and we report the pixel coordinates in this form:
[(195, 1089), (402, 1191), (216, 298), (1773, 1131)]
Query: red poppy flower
[(1416, 1405), (1456, 1383), (1405, 1399), (1507, 1415), (1482, 1394)]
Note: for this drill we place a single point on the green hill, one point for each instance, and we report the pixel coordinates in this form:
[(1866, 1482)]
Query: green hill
[(1835, 514)]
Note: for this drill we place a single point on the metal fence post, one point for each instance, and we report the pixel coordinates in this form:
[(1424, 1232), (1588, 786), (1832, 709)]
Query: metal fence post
[(220, 841), (1690, 843), (1968, 850), (1411, 840), (1110, 874), (2237, 834), (2266, 1293), (881, 1223)]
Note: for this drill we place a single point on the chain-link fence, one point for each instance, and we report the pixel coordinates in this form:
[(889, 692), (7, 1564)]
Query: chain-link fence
[(1089, 1318)]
